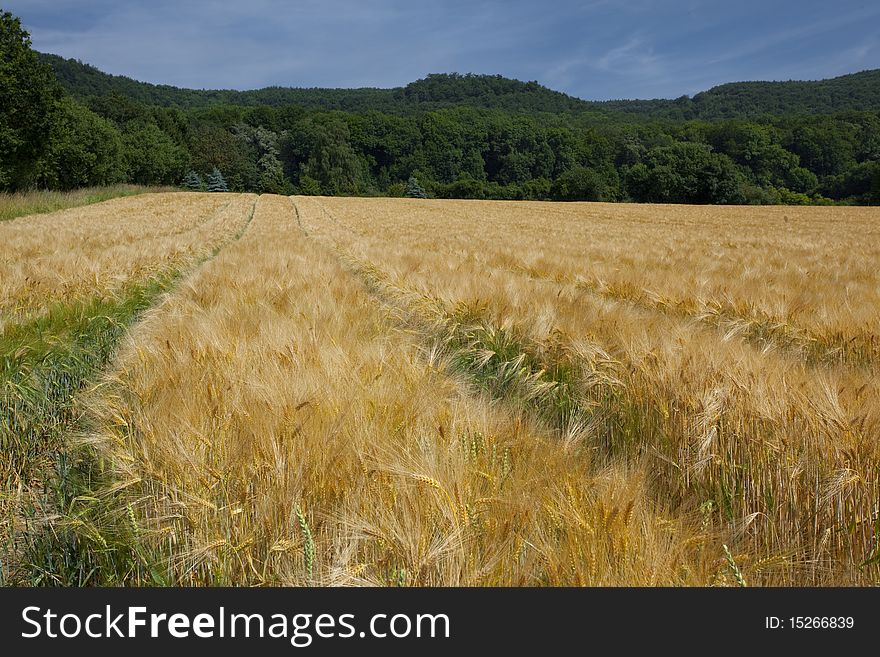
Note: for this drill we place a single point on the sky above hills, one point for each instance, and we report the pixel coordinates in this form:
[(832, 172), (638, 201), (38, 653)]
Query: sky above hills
[(596, 50)]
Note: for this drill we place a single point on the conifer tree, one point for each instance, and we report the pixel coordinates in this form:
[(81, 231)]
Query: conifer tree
[(193, 181), (414, 189), (216, 183)]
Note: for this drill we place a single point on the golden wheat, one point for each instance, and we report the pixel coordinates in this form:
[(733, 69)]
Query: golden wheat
[(83, 252), (281, 430)]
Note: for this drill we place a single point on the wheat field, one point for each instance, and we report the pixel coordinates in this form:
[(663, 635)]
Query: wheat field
[(407, 392), (84, 252)]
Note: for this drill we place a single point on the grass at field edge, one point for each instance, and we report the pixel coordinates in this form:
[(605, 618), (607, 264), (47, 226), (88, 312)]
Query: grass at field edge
[(20, 204)]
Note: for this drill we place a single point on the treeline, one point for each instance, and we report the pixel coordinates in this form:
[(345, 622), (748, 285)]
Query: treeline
[(463, 150)]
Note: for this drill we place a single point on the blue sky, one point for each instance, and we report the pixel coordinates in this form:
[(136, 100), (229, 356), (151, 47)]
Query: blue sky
[(593, 49)]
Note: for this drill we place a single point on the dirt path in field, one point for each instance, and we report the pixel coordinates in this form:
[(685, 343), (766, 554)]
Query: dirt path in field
[(49, 359)]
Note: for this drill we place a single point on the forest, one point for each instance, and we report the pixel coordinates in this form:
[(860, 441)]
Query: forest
[(65, 125)]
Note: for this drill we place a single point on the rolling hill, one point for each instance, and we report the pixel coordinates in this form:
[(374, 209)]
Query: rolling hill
[(857, 91)]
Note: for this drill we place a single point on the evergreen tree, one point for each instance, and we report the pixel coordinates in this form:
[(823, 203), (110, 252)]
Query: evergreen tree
[(414, 189), (193, 181), (216, 183)]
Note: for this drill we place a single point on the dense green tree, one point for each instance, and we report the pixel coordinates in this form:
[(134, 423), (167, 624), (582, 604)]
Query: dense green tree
[(874, 193), (118, 108), (537, 189), (152, 156), (388, 145), (309, 186), (856, 183), (212, 146), (685, 173), (580, 184), (28, 95), (396, 190), (799, 179), (464, 187), (272, 179), (324, 153), (826, 148), (264, 145), (442, 145), (83, 150)]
